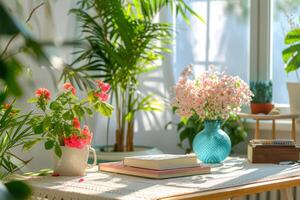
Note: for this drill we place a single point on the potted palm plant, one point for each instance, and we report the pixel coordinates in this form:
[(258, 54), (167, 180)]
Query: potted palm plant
[(123, 43), (262, 99), (291, 58)]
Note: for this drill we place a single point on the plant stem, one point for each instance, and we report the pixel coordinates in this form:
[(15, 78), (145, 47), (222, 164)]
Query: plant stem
[(119, 128)]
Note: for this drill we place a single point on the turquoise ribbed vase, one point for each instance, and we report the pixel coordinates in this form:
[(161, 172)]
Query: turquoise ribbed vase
[(212, 144)]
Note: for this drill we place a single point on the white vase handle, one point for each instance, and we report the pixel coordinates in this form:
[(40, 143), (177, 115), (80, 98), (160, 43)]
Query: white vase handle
[(91, 149)]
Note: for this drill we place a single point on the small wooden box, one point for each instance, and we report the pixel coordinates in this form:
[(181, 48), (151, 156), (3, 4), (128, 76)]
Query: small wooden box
[(272, 154)]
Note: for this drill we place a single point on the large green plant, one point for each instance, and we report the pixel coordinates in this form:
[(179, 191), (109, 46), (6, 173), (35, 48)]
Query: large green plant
[(189, 128), (14, 132), (291, 55), (123, 43)]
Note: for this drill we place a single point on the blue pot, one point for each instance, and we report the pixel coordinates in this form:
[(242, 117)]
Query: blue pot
[(212, 144)]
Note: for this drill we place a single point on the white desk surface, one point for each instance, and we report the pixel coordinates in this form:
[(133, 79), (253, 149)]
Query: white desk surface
[(100, 185)]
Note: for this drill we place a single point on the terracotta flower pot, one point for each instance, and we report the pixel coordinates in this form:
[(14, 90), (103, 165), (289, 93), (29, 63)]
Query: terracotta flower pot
[(264, 108)]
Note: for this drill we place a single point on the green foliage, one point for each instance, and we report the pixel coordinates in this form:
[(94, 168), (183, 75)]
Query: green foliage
[(17, 190), (10, 66), (56, 121), (291, 55), (123, 43), (189, 128), (262, 90), (14, 132)]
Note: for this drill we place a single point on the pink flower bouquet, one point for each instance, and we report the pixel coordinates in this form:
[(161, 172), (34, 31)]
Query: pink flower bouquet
[(58, 120), (212, 95)]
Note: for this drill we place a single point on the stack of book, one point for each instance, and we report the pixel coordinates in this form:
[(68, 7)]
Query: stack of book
[(272, 151), (157, 166)]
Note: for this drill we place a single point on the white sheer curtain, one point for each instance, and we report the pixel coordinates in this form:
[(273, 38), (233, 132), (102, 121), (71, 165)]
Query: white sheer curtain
[(223, 41)]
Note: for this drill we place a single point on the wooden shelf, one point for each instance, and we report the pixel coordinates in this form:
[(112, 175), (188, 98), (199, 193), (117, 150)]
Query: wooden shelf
[(273, 118)]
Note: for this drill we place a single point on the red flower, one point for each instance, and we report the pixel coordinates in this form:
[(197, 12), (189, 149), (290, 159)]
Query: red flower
[(76, 123), (87, 134), (55, 174), (44, 93), (81, 180), (75, 141), (70, 87), (101, 96), (104, 86), (7, 106)]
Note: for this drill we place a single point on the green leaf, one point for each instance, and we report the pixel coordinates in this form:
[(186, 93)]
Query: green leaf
[(8, 25), (46, 124), (104, 108), (68, 115), (289, 52), (19, 190), (184, 134), (129, 116), (49, 144), (32, 100), (292, 36), (79, 111), (55, 105), (88, 111), (29, 144), (291, 55), (57, 150), (38, 129)]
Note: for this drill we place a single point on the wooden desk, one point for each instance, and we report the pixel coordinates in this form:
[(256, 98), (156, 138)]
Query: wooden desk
[(235, 177), (284, 185), (273, 118)]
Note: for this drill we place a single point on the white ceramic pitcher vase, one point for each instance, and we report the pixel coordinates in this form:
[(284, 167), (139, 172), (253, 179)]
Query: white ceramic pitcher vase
[(73, 161)]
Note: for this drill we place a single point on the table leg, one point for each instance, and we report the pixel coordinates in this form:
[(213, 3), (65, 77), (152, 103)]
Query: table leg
[(286, 194), (294, 129), (256, 136), (273, 129)]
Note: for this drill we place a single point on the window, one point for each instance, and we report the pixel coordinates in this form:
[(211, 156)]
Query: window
[(285, 15), (223, 41), (239, 40)]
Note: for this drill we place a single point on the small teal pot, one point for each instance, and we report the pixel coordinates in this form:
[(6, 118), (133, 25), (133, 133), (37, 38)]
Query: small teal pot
[(212, 144)]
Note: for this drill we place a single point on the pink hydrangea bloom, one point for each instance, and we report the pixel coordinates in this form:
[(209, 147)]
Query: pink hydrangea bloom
[(43, 92), (69, 87), (212, 95)]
